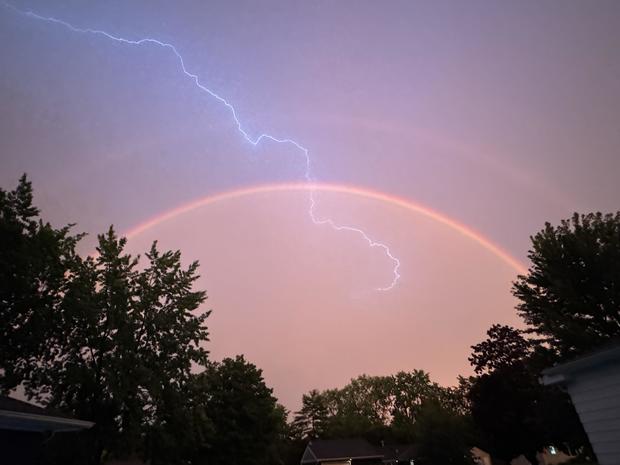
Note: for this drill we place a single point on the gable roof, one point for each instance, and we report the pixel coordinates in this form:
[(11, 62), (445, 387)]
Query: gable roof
[(19, 415), (339, 449)]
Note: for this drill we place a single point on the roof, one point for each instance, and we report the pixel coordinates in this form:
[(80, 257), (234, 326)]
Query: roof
[(563, 372), (338, 449), (19, 415)]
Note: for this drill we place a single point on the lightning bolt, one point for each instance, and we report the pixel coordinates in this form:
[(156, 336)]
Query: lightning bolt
[(233, 112)]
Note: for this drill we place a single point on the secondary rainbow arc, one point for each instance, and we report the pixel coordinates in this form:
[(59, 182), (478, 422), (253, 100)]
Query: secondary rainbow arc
[(409, 205)]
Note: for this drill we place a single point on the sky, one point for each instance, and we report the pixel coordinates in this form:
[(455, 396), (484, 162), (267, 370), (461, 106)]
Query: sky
[(448, 131)]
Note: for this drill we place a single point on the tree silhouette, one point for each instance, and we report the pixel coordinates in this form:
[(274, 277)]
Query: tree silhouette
[(571, 294), (95, 337)]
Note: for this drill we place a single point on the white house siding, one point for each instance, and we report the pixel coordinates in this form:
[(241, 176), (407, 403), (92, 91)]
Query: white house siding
[(596, 396)]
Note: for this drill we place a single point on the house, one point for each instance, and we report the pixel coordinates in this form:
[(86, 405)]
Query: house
[(25, 429), (593, 382), (341, 452)]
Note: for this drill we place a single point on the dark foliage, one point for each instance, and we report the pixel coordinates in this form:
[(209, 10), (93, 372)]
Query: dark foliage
[(571, 294), (442, 437), (513, 411), (504, 346), (247, 425), (96, 337), (388, 409)]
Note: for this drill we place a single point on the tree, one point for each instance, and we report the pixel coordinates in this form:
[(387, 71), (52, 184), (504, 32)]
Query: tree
[(571, 294), (504, 347), (96, 337), (34, 258), (442, 436), (363, 407), (374, 407), (570, 302), (455, 398), (411, 390), (311, 421), (513, 411), (248, 425)]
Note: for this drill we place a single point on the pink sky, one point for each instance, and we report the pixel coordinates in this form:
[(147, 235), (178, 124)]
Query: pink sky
[(497, 115), (299, 300)]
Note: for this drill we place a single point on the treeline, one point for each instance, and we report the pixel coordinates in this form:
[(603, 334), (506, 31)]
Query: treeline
[(371, 403), (503, 409), (403, 408), (117, 340)]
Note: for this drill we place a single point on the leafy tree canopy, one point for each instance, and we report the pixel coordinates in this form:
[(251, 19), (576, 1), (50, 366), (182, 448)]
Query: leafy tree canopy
[(375, 407), (248, 425), (97, 336), (504, 347), (571, 294), (442, 437), (513, 411)]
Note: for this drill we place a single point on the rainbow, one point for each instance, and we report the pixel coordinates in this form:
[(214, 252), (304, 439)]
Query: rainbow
[(335, 188)]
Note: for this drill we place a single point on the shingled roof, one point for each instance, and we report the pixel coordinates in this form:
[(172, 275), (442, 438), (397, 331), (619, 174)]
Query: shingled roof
[(339, 449)]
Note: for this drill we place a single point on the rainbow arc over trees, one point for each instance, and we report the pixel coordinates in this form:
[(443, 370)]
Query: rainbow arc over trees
[(401, 202)]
